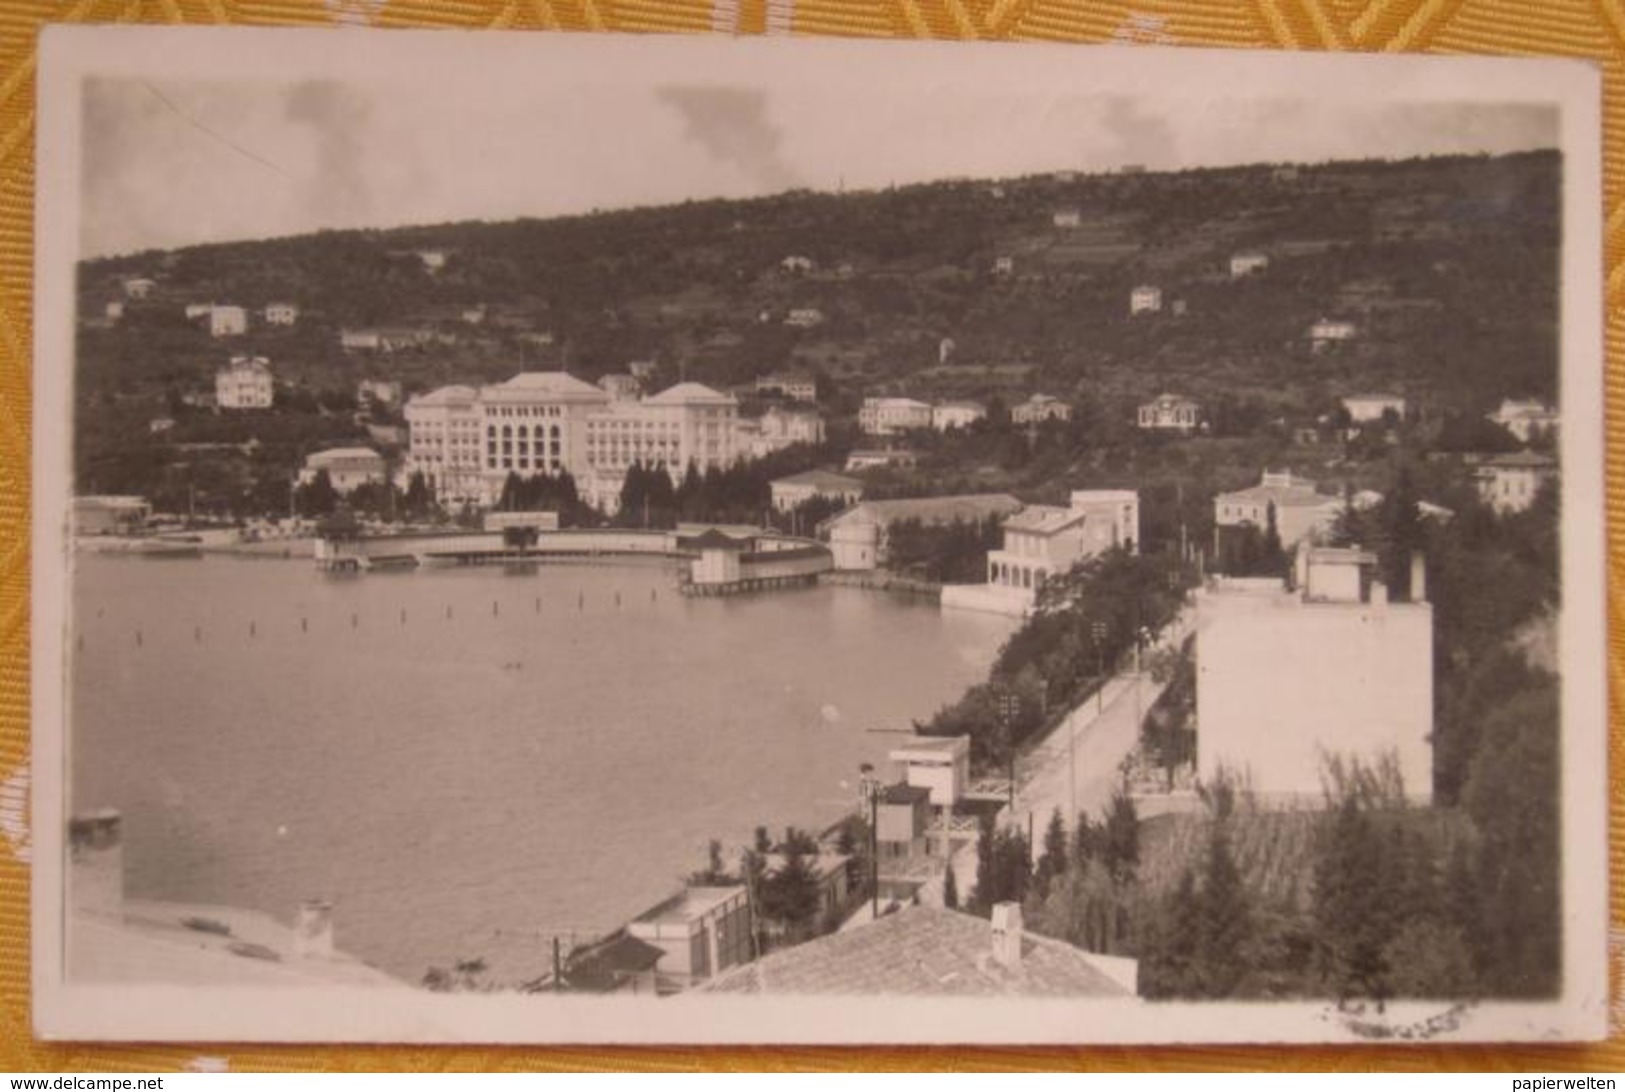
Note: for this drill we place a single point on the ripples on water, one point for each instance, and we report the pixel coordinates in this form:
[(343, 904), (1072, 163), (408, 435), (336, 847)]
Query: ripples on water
[(473, 779)]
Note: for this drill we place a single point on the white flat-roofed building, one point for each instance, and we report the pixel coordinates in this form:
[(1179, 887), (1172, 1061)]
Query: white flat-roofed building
[(1527, 419), (227, 321), (347, 467), (1038, 409), (1367, 408), (1331, 667), (798, 489), (244, 383), (445, 443), (138, 288), (1510, 483), (114, 310), (1004, 265), (1170, 413), (957, 414), (703, 931), (890, 416), (281, 314), (1246, 263), (940, 765), (1067, 218), (195, 311), (433, 260), (1145, 299)]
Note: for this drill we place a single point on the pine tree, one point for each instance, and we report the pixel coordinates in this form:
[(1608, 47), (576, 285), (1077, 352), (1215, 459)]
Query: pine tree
[(1052, 862), (950, 889), (1120, 839), (1225, 926)]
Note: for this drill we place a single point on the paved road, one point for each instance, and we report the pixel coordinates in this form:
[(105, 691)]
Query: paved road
[(1079, 760)]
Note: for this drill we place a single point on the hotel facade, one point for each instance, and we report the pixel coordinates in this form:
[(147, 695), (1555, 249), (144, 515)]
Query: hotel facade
[(466, 441)]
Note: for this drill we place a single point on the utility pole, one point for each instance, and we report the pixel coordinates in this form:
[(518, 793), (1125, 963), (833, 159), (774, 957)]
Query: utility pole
[(869, 787), (1098, 630), (558, 968)]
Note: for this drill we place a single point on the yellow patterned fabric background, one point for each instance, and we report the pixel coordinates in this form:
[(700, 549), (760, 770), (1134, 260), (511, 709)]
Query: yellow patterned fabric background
[(1592, 29)]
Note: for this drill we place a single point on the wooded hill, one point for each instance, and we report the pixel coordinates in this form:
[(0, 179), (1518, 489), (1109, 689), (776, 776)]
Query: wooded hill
[(1448, 267)]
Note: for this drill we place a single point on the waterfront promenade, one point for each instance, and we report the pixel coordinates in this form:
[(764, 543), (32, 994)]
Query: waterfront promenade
[(1081, 756)]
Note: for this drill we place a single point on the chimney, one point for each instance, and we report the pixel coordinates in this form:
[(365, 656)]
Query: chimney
[(96, 853), (1007, 934), (313, 933), (1419, 578)]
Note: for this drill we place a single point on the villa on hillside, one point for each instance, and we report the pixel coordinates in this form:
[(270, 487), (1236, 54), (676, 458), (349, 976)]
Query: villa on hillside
[(1247, 263), (1527, 419), (1510, 483), (1042, 540), (890, 416), (956, 414), (1038, 409), (244, 383), (1170, 412), (1368, 408)]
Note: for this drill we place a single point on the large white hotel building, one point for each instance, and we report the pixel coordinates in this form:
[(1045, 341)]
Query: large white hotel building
[(466, 441)]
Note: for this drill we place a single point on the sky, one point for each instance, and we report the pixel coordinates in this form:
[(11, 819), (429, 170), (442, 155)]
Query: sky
[(174, 162)]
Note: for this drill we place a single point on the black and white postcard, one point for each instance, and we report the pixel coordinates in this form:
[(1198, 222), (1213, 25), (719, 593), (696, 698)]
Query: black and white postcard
[(591, 538)]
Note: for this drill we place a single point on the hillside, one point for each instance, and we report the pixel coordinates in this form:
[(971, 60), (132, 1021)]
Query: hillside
[(1447, 267)]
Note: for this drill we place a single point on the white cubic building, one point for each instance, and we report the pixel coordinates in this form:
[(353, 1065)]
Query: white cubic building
[(1289, 676), (1145, 299), (1247, 263), (1510, 483), (227, 321)]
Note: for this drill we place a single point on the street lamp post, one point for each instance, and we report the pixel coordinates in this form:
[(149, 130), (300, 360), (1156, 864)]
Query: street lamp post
[(869, 787), (1099, 632), (1009, 708)]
